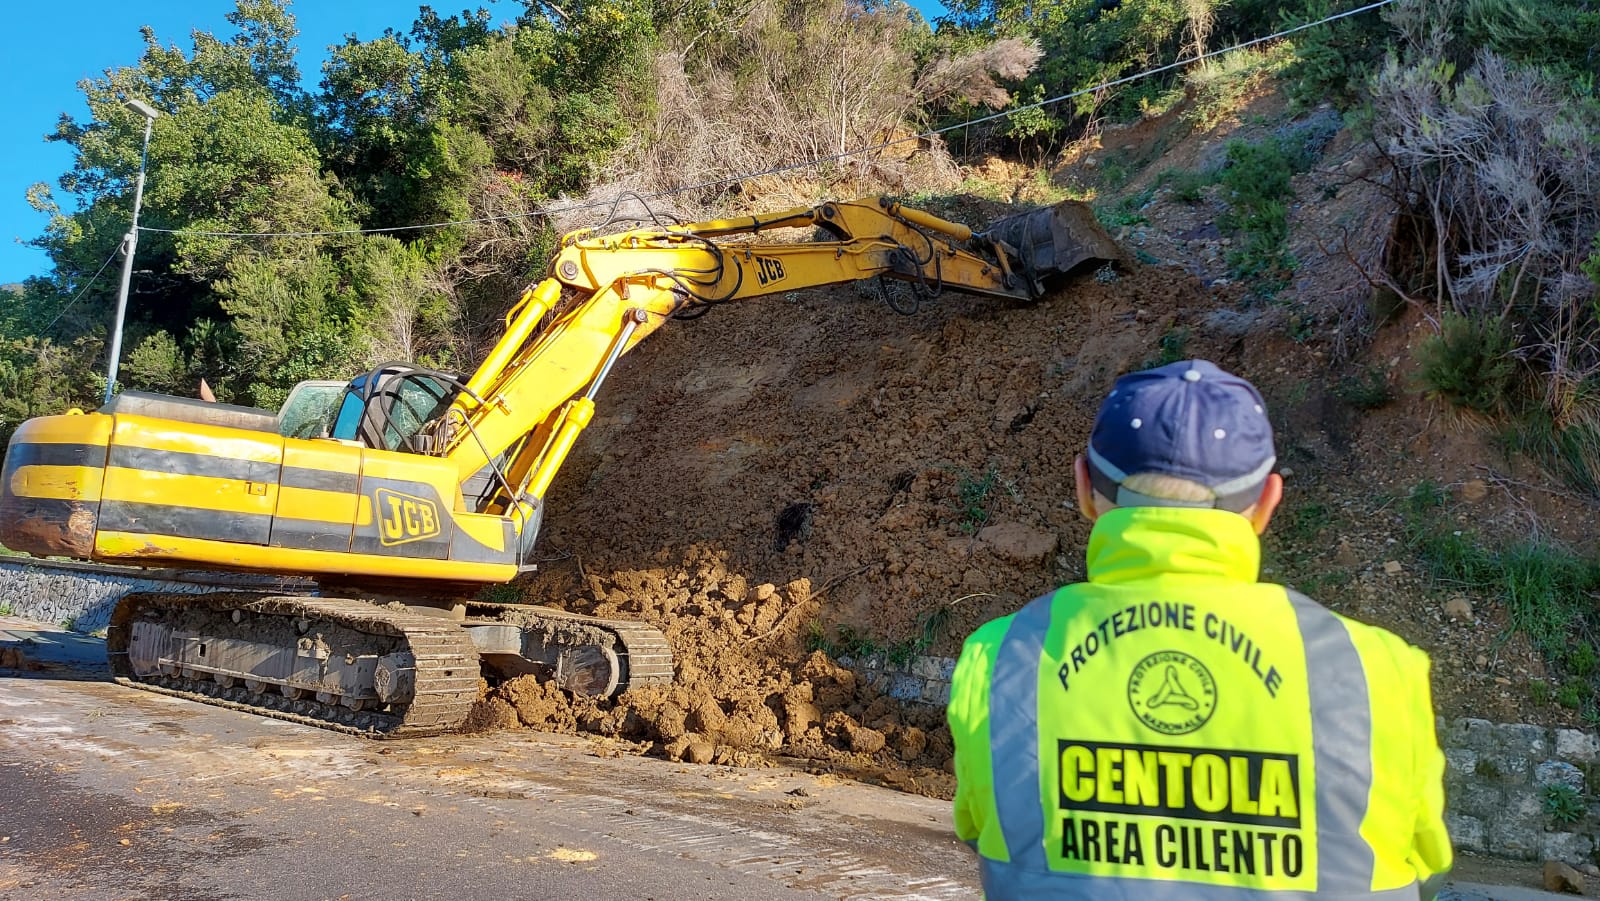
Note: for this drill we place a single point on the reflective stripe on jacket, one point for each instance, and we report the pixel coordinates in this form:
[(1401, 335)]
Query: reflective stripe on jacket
[(1174, 729)]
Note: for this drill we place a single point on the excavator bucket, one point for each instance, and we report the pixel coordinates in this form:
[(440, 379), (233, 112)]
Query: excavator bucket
[(1055, 240)]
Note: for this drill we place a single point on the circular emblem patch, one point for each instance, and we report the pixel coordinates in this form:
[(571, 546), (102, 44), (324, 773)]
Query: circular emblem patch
[(1172, 692)]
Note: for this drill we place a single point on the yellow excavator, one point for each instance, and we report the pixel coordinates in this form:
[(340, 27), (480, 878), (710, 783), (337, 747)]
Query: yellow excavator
[(403, 492)]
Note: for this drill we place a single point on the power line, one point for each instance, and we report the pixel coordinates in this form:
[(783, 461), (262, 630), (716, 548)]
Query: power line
[(84, 290), (807, 164)]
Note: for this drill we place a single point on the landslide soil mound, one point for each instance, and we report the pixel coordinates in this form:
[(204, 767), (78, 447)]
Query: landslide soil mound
[(762, 477)]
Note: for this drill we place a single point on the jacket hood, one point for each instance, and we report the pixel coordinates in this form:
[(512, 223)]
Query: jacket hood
[(1132, 543)]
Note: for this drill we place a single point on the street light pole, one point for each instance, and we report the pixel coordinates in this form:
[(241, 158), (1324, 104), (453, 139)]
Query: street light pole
[(129, 244)]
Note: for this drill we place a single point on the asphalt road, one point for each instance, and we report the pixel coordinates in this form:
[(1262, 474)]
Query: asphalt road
[(111, 793), (108, 792)]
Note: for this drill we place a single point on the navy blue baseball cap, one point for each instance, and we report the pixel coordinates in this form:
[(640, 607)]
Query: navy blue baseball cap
[(1190, 420)]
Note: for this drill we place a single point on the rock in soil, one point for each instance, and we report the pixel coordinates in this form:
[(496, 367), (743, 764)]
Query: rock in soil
[(1559, 877)]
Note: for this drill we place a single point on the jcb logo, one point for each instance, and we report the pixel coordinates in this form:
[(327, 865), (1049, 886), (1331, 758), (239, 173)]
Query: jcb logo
[(769, 270), (403, 518)]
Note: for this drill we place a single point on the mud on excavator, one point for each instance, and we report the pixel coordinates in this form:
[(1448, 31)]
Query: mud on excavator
[(404, 492)]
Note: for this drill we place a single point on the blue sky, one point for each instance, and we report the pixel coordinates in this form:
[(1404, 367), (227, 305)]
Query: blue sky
[(46, 48)]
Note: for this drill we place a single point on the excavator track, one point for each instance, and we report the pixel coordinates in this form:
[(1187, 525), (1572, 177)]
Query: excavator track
[(421, 672), (353, 666)]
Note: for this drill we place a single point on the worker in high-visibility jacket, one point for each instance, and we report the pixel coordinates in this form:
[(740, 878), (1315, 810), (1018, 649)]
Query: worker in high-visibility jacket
[(1173, 728)]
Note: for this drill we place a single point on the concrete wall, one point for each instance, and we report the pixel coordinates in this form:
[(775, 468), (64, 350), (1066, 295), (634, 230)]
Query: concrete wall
[(82, 594), (1496, 782)]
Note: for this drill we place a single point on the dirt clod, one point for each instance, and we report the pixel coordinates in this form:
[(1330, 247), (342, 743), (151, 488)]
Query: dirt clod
[(1019, 543), (698, 749), (538, 705), (492, 714)]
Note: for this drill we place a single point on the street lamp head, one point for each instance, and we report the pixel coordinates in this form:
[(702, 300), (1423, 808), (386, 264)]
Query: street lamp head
[(143, 109)]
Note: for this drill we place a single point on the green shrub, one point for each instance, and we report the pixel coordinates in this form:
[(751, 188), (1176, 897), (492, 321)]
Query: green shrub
[(1563, 803), (1119, 216), (1261, 172), (1570, 453), (1257, 182), (1570, 695), (1170, 349), (1302, 524), (1469, 363), (1333, 62), (1189, 187), (847, 642), (1262, 251), (1591, 264), (1583, 660), (1367, 390), (1221, 86), (1556, 35), (1115, 171), (1126, 211), (1161, 102), (1544, 588), (973, 493)]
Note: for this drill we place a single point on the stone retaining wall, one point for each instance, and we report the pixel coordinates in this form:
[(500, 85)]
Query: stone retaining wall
[(1505, 782), (81, 595), (1499, 794), (922, 680)]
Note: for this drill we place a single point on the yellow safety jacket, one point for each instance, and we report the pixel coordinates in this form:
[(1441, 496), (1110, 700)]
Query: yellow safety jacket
[(1174, 729)]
